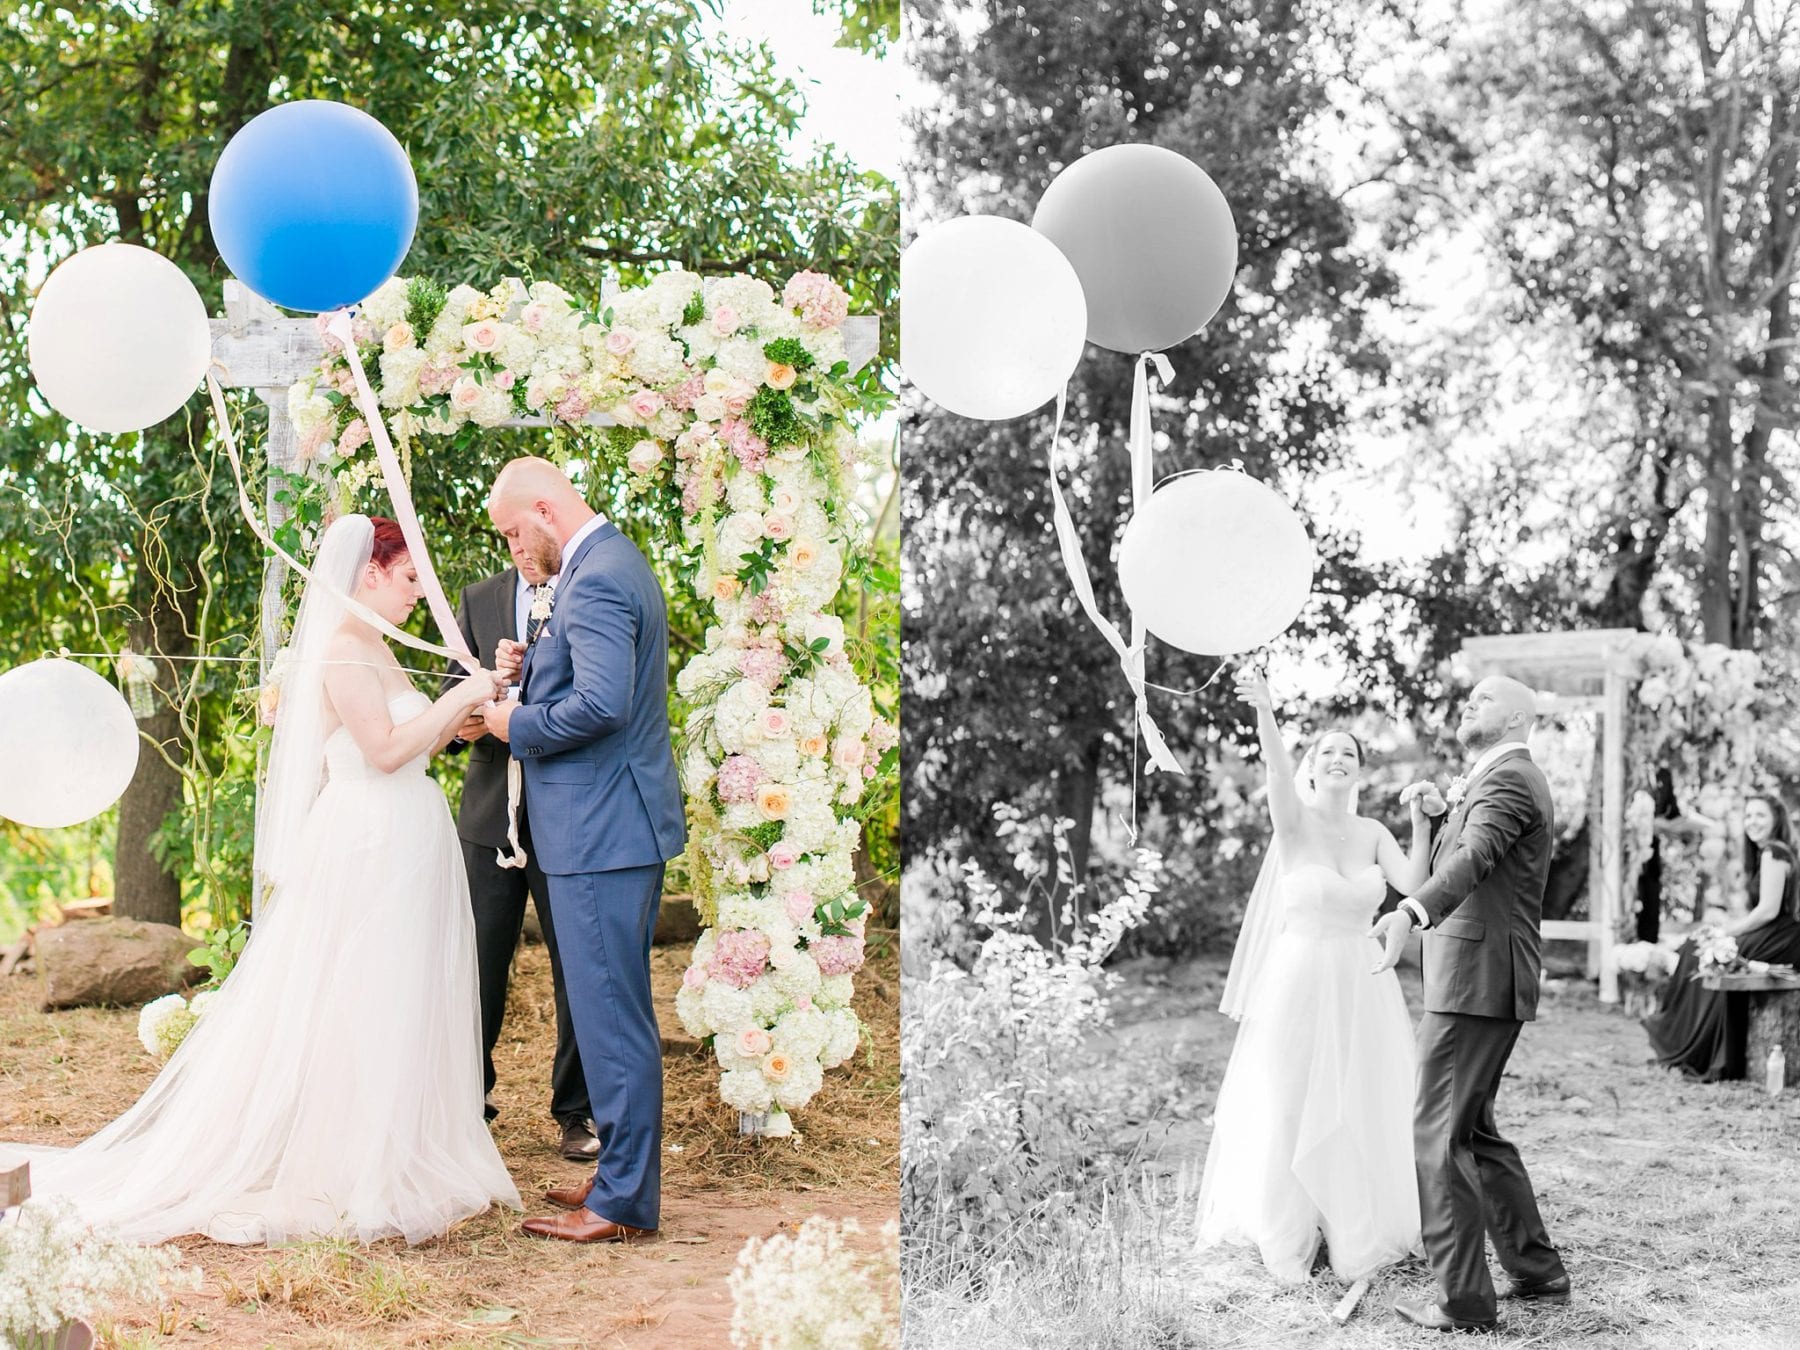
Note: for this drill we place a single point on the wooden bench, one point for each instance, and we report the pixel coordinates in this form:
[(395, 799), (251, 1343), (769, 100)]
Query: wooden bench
[(1774, 1002)]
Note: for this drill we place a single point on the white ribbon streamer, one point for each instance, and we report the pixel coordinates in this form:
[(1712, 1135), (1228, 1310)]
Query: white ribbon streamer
[(1131, 657)]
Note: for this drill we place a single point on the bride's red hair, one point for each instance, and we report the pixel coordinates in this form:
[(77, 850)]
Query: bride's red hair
[(390, 544)]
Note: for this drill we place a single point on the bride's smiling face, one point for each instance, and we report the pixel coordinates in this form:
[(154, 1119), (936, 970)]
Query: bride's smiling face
[(392, 592), (1337, 761)]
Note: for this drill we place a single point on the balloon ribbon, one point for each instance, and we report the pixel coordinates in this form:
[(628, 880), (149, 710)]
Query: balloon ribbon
[(1131, 656)]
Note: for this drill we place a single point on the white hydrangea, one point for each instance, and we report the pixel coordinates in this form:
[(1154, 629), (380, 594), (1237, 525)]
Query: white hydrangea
[(658, 361), (795, 973), (746, 295), (400, 377), (742, 360), (746, 1090), (153, 1017), (307, 407), (744, 493), (801, 1085), (721, 1006), (386, 307), (835, 992), (843, 1033)]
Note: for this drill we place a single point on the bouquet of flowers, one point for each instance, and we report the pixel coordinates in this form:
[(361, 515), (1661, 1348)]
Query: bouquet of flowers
[(165, 1022), (1717, 952), (1642, 968)]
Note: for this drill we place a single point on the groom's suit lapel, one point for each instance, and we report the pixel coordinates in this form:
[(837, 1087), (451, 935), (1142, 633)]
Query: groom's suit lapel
[(562, 584), (1453, 823)]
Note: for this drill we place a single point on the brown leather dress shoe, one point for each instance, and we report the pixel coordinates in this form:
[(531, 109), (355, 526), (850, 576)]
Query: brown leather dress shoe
[(1434, 1318), (570, 1197), (582, 1225), (579, 1142), (1547, 1291)]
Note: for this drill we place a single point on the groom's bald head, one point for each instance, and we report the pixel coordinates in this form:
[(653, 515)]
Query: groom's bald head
[(1498, 709), (537, 510)]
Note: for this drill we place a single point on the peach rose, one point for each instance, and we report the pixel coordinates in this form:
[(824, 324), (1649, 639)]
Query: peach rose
[(777, 1066), (726, 587), (803, 554), (778, 526), (814, 746), (774, 801), (780, 376), (398, 337)]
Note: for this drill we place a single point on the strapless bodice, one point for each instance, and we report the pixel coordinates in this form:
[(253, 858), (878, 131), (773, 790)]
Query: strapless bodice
[(1320, 900), (344, 758)]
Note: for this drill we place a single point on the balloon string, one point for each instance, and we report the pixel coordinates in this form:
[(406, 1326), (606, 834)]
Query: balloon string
[(244, 660), (1192, 693)]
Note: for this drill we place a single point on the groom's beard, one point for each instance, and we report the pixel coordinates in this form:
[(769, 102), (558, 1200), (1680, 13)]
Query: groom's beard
[(543, 552)]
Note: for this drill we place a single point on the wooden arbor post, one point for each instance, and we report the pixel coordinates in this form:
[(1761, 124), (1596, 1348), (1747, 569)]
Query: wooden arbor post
[(262, 349), (1586, 672)]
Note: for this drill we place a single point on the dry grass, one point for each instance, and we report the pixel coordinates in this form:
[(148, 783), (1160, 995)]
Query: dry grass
[(64, 1075), (1672, 1203)]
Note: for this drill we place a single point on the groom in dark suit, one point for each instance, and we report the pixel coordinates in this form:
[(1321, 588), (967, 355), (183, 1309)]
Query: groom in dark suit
[(1480, 913), (491, 612), (591, 732)]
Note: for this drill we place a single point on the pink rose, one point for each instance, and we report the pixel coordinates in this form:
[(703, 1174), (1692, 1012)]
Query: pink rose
[(777, 526), (800, 906), (784, 499), (725, 321), (464, 395), (644, 456), (754, 1041), (482, 337), (506, 379), (849, 754), (533, 316), (774, 723), (646, 403), (620, 341), (695, 977), (783, 856)]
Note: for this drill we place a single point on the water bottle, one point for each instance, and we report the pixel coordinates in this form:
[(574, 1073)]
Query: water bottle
[(1776, 1077)]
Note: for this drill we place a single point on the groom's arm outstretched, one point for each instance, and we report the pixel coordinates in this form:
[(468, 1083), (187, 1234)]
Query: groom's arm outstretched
[(1496, 820)]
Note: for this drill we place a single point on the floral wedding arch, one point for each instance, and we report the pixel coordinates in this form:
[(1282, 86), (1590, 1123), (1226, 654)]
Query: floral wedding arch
[(728, 410)]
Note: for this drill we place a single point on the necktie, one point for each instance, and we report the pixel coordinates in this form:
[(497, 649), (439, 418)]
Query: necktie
[(536, 615)]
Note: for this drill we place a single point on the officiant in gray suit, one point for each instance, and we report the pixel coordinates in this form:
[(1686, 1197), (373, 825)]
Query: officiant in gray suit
[(500, 608)]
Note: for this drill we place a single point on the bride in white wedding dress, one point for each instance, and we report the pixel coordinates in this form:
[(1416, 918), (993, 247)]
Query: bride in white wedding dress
[(1312, 1134), (334, 1085)]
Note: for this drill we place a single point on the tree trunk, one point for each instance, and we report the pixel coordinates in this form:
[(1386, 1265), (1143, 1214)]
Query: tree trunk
[(164, 599), (1716, 589)]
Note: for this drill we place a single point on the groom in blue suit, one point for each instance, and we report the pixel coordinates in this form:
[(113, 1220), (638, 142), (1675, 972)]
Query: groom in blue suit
[(591, 733)]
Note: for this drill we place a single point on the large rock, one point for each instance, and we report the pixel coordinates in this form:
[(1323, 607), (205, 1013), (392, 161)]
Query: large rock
[(112, 961)]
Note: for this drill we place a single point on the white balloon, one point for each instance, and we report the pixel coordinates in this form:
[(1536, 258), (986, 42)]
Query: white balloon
[(71, 744), (1216, 563), (118, 338), (992, 320)]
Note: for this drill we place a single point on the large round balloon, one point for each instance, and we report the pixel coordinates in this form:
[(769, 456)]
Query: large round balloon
[(991, 318), (1216, 563), (118, 338), (313, 205), (1151, 238), (71, 744)]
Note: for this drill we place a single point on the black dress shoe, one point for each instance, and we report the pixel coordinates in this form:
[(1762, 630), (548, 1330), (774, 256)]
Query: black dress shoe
[(1543, 1291), (579, 1143), (1434, 1318), (489, 1110)]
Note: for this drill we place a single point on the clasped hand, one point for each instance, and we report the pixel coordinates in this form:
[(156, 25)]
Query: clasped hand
[(1391, 930), (1424, 799)]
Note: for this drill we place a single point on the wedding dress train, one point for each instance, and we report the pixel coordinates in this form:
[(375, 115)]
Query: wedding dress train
[(333, 1086), (1313, 1129)]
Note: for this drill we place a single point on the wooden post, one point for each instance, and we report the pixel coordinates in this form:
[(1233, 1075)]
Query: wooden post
[(15, 1186), (1612, 805)]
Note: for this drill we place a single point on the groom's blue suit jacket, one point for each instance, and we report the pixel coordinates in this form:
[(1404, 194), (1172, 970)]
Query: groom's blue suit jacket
[(592, 731)]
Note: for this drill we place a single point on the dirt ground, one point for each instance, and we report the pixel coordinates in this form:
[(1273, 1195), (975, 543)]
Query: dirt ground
[(486, 1284)]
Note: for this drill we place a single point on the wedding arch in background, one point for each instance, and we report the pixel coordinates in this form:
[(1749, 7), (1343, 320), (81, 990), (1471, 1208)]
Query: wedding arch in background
[(1623, 708), (723, 415)]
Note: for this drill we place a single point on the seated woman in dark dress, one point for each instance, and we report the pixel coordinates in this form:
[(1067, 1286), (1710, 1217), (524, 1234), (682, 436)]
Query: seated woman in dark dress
[(1701, 1031)]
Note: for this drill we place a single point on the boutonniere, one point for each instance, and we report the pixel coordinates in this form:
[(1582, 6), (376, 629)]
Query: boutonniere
[(542, 602), (1458, 789)]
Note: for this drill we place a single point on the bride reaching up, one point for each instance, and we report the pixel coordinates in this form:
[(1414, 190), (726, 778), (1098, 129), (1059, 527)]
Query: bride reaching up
[(1313, 1131)]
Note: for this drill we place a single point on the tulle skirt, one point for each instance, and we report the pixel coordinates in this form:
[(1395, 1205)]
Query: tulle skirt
[(1313, 1130), (333, 1087)]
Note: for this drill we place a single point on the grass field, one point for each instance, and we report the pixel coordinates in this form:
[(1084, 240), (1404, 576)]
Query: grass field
[(1673, 1203), (63, 1075)]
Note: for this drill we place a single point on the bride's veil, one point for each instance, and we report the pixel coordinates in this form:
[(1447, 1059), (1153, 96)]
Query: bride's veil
[(1262, 916), (297, 756)]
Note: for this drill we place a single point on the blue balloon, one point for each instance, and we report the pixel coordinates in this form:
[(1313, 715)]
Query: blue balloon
[(313, 205)]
